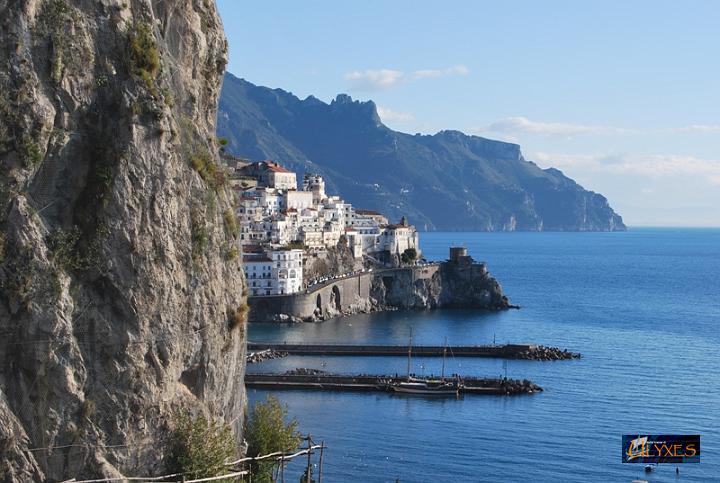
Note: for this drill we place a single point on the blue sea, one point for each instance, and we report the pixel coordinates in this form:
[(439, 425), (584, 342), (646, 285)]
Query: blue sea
[(643, 308)]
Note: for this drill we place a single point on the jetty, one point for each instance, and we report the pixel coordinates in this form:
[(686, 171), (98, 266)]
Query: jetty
[(313, 379), (505, 351)]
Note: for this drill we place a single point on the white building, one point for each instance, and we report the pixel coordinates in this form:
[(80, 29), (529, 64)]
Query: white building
[(315, 184), (274, 212), (312, 238), (298, 200), (355, 242), (267, 174), (360, 219), (398, 238), (271, 200), (287, 265), (280, 178), (274, 271), (258, 272)]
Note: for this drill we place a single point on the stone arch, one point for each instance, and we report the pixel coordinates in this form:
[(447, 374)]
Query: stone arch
[(335, 297), (318, 302)]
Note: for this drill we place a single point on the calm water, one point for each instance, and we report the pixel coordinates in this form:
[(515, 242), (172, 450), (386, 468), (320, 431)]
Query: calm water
[(643, 307)]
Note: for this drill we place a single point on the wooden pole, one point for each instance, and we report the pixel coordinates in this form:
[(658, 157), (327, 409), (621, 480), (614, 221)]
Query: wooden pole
[(322, 449), (442, 376), (409, 353), (282, 467), (309, 463)]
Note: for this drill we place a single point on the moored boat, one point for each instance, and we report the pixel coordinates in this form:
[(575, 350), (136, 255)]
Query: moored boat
[(426, 388)]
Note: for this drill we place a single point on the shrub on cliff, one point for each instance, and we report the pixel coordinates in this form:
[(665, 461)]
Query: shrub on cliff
[(231, 224), (144, 55), (200, 447), (237, 317), (409, 256), (212, 173), (266, 432)]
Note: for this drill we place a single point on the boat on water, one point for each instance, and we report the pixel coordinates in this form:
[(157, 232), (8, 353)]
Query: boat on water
[(426, 386)]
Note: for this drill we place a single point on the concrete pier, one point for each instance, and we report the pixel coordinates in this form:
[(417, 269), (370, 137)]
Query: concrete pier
[(506, 351), (321, 381)]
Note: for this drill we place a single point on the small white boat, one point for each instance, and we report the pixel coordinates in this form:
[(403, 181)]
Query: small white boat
[(425, 388)]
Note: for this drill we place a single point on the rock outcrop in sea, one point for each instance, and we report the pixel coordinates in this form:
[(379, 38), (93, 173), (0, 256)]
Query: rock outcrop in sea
[(452, 285), (120, 286)]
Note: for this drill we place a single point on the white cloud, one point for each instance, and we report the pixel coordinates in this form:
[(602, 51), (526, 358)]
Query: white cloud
[(388, 115), (696, 128), (371, 80), (523, 125), (518, 125), (652, 165), (381, 79)]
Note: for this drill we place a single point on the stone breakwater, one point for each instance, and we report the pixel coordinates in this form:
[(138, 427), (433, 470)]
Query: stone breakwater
[(516, 386), (504, 351), (315, 379), (543, 353), (264, 355), (446, 284)]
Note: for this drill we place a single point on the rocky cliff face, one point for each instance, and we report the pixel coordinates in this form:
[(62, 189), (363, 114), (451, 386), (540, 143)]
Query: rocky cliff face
[(333, 261), (452, 285), (120, 286)]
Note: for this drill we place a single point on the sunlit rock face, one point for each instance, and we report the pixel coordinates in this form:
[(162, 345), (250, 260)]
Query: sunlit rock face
[(118, 297)]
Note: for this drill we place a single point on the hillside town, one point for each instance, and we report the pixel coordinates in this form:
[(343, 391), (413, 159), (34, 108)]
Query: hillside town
[(286, 227)]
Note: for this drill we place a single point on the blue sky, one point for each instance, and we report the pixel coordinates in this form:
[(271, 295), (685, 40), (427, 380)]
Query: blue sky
[(623, 96)]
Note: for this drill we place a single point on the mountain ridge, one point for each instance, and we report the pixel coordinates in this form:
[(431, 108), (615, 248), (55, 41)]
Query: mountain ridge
[(447, 181)]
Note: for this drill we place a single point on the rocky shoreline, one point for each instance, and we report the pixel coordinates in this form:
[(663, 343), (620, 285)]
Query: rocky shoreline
[(266, 355), (517, 386), (543, 353)]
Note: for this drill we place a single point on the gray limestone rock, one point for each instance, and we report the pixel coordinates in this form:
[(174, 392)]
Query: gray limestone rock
[(118, 302)]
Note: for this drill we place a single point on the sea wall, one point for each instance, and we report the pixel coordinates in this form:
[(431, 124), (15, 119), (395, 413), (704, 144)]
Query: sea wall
[(446, 284), (342, 296)]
